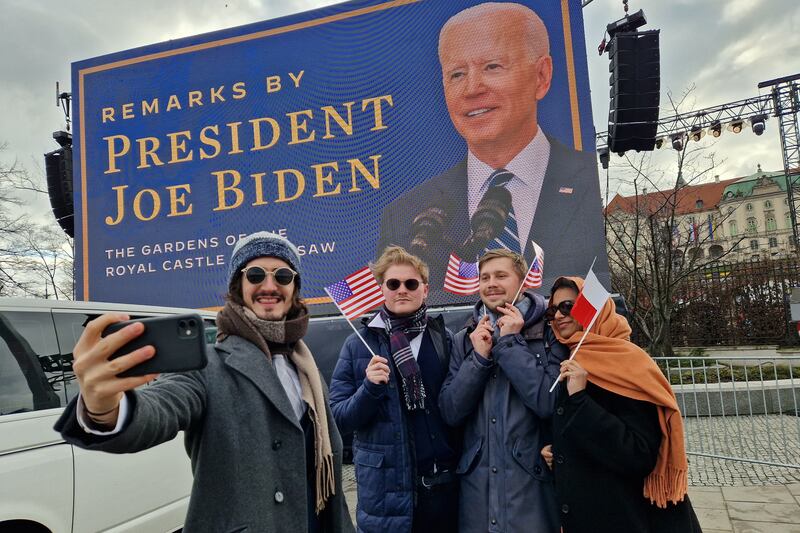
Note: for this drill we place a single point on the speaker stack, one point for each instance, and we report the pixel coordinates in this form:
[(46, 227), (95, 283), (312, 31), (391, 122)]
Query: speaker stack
[(635, 89)]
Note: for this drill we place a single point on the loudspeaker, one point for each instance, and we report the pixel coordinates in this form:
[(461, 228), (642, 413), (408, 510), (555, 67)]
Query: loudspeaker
[(635, 90), (58, 167)]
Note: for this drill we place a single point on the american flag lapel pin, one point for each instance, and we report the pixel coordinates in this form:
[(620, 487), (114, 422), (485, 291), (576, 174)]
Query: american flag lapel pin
[(565, 190)]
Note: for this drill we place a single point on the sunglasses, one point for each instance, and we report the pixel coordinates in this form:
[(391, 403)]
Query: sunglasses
[(565, 307), (257, 274), (394, 284)]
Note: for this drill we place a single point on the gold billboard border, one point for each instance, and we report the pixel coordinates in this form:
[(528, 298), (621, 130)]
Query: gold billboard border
[(569, 54)]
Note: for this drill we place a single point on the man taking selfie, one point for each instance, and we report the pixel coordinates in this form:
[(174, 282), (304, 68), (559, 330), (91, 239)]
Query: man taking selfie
[(265, 451)]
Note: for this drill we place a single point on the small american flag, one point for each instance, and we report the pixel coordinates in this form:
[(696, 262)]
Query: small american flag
[(461, 277), (356, 294), (533, 279)]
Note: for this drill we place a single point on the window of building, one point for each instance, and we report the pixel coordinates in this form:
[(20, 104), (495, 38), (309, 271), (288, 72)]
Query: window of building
[(767, 205), (752, 225), (773, 242), (749, 207), (754, 244), (732, 229), (699, 204), (788, 221), (771, 225)]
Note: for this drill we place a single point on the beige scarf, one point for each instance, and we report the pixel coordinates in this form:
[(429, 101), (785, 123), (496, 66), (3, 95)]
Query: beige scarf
[(236, 320)]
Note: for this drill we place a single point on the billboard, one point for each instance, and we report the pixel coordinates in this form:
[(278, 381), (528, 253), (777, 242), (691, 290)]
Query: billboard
[(345, 129)]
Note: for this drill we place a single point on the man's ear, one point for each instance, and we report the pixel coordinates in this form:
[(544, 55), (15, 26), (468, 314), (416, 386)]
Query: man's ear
[(544, 76)]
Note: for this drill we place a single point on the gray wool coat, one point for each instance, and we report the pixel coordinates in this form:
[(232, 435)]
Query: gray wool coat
[(245, 443)]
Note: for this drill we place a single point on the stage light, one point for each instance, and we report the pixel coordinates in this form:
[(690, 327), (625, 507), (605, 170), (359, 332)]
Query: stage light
[(716, 129), (696, 133), (757, 123), (677, 141), (659, 143), (736, 126)]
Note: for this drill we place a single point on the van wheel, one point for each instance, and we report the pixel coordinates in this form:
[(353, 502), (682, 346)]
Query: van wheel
[(23, 526)]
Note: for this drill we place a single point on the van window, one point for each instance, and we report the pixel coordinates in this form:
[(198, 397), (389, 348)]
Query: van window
[(31, 377), (69, 327)]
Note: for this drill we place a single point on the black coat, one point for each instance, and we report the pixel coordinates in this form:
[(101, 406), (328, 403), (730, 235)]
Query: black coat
[(604, 446)]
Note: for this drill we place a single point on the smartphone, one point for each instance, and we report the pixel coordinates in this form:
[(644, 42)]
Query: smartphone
[(179, 341)]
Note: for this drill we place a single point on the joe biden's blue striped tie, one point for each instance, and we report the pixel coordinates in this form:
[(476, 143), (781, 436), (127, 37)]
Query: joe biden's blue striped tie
[(509, 238)]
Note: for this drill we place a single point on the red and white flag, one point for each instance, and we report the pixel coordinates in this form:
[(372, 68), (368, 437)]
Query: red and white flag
[(461, 276), (533, 280), (590, 301), (587, 307), (356, 294)]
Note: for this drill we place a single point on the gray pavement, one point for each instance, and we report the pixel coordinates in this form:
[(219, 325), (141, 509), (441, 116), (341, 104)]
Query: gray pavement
[(731, 495)]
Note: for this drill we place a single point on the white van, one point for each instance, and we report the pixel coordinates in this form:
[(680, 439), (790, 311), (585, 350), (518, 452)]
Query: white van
[(47, 485)]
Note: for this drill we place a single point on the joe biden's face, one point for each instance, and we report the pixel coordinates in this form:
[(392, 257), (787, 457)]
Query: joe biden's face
[(492, 82)]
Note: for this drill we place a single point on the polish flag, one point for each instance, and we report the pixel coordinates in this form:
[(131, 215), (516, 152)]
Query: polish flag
[(586, 309), (590, 301)]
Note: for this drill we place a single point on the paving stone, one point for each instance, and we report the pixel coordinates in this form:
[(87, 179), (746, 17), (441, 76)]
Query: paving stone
[(785, 513), (709, 499), (763, 527), (767, 494), (714, 519)]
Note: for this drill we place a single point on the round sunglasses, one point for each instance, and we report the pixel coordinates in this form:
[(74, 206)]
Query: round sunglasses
[(256, 274), (394, 284), (565, 307)]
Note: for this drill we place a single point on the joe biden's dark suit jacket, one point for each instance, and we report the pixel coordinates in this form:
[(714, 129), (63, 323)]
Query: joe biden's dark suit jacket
[(567, 224)]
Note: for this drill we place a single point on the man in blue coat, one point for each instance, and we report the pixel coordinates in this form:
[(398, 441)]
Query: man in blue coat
[(501, 369), (387, 395)]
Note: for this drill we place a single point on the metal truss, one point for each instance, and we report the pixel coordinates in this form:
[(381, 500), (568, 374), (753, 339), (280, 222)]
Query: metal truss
[(782, 102)]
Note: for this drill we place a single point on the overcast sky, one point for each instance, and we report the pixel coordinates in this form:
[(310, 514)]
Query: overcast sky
[(723, 47)]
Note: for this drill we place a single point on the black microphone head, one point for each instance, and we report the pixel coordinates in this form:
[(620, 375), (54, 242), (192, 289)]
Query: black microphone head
[(427, 229), (490, 216)]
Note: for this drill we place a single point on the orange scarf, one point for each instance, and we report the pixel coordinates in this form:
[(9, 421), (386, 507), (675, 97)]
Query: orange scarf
[(616, 364)]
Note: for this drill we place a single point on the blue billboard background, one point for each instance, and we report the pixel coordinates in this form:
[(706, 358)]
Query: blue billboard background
[(379, 59)]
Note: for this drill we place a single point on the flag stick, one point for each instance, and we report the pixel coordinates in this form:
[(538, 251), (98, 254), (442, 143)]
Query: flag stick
[(348, 321), (523, 282)]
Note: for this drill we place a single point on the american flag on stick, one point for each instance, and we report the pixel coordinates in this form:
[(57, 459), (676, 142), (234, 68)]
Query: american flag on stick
[(356, 294), (533, 279), (461, 277)]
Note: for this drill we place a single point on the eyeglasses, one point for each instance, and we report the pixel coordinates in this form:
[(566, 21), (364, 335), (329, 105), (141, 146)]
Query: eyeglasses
[(394, 284), (565, 307), (257, 274)]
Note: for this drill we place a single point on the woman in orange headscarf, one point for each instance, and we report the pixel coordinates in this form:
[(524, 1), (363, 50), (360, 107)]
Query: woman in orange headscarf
[(618, 453)]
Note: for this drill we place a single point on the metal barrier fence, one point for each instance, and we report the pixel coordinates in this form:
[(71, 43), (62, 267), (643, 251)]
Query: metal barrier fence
[(739, 408)]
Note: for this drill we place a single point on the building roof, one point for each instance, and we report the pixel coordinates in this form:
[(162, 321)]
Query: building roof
[(689, 199), (744, 186)]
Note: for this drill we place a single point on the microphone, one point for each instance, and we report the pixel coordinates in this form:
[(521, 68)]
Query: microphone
[(428, 229), (488, 221)]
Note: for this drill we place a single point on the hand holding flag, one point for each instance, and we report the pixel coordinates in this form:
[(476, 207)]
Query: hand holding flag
[(587, 308)]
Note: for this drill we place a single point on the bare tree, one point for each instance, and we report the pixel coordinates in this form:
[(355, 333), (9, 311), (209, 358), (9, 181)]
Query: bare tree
[(651, 248), (35, 255)]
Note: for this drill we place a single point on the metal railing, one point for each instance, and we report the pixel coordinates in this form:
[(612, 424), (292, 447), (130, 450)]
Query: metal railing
[(739, 408)]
